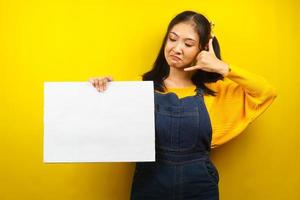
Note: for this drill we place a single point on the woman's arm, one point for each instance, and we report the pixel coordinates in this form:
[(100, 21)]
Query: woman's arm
[(241, 97), (253, 84)]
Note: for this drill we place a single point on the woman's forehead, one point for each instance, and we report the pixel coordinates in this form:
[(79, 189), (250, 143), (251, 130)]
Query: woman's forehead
[(185, 30)]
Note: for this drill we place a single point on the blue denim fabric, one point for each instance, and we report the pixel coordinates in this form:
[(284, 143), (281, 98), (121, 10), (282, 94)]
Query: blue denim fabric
[(183, 169)]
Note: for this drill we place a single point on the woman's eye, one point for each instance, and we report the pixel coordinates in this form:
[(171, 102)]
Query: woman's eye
[(188, 45)]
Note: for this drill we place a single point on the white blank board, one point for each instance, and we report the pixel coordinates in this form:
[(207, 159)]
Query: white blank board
[(84, 125)]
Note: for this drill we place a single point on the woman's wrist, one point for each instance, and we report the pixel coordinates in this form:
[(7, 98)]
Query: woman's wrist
[(224, 69)]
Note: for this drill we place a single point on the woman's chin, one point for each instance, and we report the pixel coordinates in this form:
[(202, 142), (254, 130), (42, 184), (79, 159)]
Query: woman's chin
[(178, 65)]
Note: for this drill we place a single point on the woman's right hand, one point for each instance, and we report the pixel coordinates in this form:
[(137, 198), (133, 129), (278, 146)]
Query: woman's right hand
[(100, 83)]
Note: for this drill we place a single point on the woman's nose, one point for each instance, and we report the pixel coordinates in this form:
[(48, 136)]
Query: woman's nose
[(177, 49)]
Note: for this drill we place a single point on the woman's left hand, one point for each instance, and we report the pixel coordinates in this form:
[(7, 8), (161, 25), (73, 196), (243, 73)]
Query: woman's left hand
[(207, 61)]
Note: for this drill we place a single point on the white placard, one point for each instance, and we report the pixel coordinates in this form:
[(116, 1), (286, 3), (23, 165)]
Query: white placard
[(84, 125)]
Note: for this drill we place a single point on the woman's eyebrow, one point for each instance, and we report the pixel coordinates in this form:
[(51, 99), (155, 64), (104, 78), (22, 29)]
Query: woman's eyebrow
[(186, 38)]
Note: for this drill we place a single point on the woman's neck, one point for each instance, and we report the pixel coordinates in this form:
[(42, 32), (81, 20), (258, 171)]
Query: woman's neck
[(179, 78)]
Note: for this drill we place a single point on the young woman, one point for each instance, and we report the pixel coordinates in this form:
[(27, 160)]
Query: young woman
[(201, 102)]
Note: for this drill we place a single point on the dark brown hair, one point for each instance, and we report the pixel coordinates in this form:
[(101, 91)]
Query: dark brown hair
[(161, 69)]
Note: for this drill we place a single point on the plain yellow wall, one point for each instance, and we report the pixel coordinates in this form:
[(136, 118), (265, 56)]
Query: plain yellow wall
[(61, 40)]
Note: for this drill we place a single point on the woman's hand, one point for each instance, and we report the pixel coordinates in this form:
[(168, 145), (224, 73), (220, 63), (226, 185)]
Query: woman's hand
[(100, 83), (207, 61)]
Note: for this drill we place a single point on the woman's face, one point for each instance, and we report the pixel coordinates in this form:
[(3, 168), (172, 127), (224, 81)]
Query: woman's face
[(182, 45)]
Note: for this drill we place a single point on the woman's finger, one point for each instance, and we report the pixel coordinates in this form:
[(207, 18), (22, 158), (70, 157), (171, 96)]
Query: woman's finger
[(101, 83), (110, 78), (98, 83), (191, 68), (104, 83)]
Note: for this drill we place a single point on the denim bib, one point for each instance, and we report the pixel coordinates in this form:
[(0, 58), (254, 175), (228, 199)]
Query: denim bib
[(182, 169)]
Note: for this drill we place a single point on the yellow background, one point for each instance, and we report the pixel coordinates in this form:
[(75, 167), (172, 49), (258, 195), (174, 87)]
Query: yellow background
[(62, 40)]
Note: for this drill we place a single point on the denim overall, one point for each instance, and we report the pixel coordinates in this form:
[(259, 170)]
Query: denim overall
[(183, 169)]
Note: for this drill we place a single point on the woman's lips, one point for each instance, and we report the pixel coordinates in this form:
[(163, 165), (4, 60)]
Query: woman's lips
[(175, 58)]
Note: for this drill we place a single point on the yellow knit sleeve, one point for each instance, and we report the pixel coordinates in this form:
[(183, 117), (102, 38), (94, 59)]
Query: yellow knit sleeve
[(242, 97)]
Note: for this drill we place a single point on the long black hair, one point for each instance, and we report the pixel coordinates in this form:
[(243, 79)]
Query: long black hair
[(161, 69)]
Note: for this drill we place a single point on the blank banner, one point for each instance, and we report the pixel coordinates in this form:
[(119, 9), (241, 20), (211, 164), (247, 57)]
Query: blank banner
[(84, 125)]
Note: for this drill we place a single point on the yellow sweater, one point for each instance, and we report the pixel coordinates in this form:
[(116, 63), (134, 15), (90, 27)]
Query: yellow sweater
[(242, 96)]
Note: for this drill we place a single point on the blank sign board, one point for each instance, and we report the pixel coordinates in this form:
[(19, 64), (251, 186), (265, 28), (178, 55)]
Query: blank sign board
[(84, 125)]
